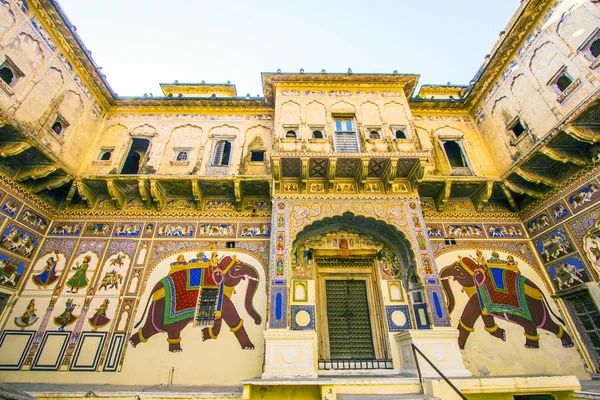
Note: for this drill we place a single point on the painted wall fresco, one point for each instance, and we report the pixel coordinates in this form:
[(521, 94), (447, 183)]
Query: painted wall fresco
[(504, 313), (173, 292)]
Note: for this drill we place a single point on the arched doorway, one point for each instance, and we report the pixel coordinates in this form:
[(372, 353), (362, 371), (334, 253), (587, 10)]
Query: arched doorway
[(359, 266)]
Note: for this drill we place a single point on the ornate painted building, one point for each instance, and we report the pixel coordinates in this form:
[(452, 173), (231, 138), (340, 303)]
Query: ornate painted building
[(203, 238)]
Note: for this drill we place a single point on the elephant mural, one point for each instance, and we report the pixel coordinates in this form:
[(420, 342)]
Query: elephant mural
[(496, 288), (173, 301)]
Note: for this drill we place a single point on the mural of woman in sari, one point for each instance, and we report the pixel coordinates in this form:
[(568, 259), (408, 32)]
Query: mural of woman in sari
[(79, 280), (29, 317), (99, 319), (48, 275)]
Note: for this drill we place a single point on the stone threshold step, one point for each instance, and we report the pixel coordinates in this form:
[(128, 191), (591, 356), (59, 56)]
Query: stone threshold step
[(384, 397)]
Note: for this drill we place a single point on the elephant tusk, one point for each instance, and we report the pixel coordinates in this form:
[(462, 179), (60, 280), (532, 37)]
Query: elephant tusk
[(445, 279), (252, 278)]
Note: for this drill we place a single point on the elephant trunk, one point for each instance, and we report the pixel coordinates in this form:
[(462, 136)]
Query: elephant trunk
[(444, 277), (248, 301)]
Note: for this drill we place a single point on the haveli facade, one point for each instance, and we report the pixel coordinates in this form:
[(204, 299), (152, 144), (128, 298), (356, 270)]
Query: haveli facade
[(330, 224)]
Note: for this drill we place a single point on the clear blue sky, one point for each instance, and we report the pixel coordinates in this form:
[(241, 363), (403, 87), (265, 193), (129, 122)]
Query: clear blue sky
[(142, 43)]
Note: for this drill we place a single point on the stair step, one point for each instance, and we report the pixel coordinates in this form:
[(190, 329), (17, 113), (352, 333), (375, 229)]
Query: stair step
[(385, 397)]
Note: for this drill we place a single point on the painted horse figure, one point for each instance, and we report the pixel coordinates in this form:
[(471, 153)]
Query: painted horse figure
[(172, 303), (499, 290)]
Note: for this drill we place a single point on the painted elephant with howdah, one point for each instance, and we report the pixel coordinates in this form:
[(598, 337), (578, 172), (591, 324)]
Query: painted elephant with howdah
[(497, 289), (172, 303)]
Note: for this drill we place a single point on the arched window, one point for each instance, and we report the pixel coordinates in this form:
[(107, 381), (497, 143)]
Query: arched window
[(291, 134), (222, 153), (137, 152), (105, 156), (317, 135), (454, 154), (7, 75), (400, 134), (374, 135), (182, 156)]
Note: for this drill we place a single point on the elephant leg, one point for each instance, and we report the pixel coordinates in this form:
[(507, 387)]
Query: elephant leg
[(559, 331), (493, 328), (471, 312), (236, 324), (146, 331), (213, 331), (174, 339), (532, 339)]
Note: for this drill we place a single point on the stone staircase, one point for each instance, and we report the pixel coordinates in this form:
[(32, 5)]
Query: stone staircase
[(346, 143)]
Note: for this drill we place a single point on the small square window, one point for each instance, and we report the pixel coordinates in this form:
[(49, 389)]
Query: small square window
[(591, 47), (59, 126), (257, 156), (9, 72), (561, 81), (517, 127)]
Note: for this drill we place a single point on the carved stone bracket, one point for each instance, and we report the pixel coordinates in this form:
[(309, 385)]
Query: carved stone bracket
[(9, 149)]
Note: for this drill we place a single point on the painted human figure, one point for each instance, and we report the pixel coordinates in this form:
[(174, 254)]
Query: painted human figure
[(99, 319), (567, 275), (67, 317), (79, 279), (29, 316), (48, 276), (480, 259)]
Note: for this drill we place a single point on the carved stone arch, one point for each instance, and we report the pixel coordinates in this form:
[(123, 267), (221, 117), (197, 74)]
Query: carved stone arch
[(27, 53), (370, 114), (387, 233), (70, 106), (143, 131), (424, 136), (41, 100), (7, 18), (224, 129), (576, 25), (289, 113), (316, 113), (449, 132), (185, 137), (534, 108), (503, 111), (545, 61), (394, 113), (343, 107)]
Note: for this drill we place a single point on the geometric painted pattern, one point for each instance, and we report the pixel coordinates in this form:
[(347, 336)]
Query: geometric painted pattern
[(302, 318), (398, 318)]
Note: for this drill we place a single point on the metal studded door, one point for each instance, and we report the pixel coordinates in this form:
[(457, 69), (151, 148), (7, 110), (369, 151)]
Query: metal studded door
[(348, 320), (587, 319)]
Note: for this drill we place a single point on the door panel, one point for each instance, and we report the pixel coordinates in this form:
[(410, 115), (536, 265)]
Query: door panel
[(349, 322)]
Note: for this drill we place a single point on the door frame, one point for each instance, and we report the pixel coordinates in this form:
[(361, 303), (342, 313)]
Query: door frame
[(374, 300)]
